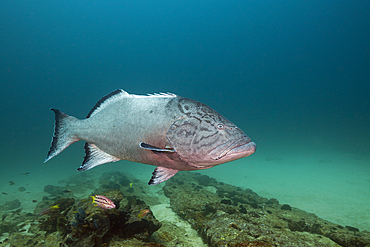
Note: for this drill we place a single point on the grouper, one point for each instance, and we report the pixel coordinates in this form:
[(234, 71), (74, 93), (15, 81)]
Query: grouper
[(164, 130)]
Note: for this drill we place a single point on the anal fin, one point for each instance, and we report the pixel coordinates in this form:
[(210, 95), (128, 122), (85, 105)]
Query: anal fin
[(94, 157), (161, 174)]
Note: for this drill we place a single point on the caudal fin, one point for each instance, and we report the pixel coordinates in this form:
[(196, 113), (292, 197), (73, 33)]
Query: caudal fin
[(62, 136)]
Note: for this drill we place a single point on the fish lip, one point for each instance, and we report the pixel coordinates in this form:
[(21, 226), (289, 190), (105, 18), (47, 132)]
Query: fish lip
[(246, 148), (241, 145)]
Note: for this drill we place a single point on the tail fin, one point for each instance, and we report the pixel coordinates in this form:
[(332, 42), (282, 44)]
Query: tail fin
[(62, 137)]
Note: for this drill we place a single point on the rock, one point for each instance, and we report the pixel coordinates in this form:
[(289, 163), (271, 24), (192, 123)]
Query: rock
[(205, 180), (21, 189), (286, 207), (88, 225), (225, 201), (114, 180), (54, 190), (353, 229), (10, 205), (132, 225), (251, 220), (222, 214), (272, 201)]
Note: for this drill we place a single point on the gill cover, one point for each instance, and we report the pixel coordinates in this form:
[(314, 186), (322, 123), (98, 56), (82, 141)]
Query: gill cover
[(193, 139)]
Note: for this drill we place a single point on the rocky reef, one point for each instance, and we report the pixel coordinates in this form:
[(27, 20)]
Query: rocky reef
[(222, 214), (225, 215), (62, 221)]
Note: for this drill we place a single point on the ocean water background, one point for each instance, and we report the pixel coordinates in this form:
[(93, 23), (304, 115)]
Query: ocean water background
[(294, 75)]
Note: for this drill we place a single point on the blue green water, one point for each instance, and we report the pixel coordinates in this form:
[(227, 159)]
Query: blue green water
[(294, 75)]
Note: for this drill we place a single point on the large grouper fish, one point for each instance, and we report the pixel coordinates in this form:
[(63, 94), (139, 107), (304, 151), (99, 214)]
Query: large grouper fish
[(164, 130)]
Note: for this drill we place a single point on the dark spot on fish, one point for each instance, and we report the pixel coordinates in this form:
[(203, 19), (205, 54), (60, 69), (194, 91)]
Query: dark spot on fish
[(34, 200), (11, 183), (4, 193)]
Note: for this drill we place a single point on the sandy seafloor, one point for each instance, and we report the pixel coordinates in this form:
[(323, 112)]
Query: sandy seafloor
[(332, 184)]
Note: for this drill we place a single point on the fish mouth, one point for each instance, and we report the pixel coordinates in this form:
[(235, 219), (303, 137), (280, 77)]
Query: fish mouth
[(239, 148)]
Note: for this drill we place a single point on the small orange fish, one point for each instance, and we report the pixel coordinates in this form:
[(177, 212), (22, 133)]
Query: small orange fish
[(143, 212)]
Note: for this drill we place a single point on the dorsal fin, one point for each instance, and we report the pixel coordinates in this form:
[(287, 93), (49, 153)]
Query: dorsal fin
[(162, 94), (103, 102)]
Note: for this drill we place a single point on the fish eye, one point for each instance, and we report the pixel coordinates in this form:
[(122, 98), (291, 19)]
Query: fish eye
[(220, 126)]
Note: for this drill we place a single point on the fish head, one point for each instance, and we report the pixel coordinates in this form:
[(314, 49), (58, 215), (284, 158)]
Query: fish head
[(205, 138)]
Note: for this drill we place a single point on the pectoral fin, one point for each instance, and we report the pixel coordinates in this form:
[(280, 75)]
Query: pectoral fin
[(152, 148), (161, 174)]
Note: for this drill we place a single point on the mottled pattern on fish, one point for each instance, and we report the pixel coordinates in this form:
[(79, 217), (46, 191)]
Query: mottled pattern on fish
[(164, 130), (198, 133)]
